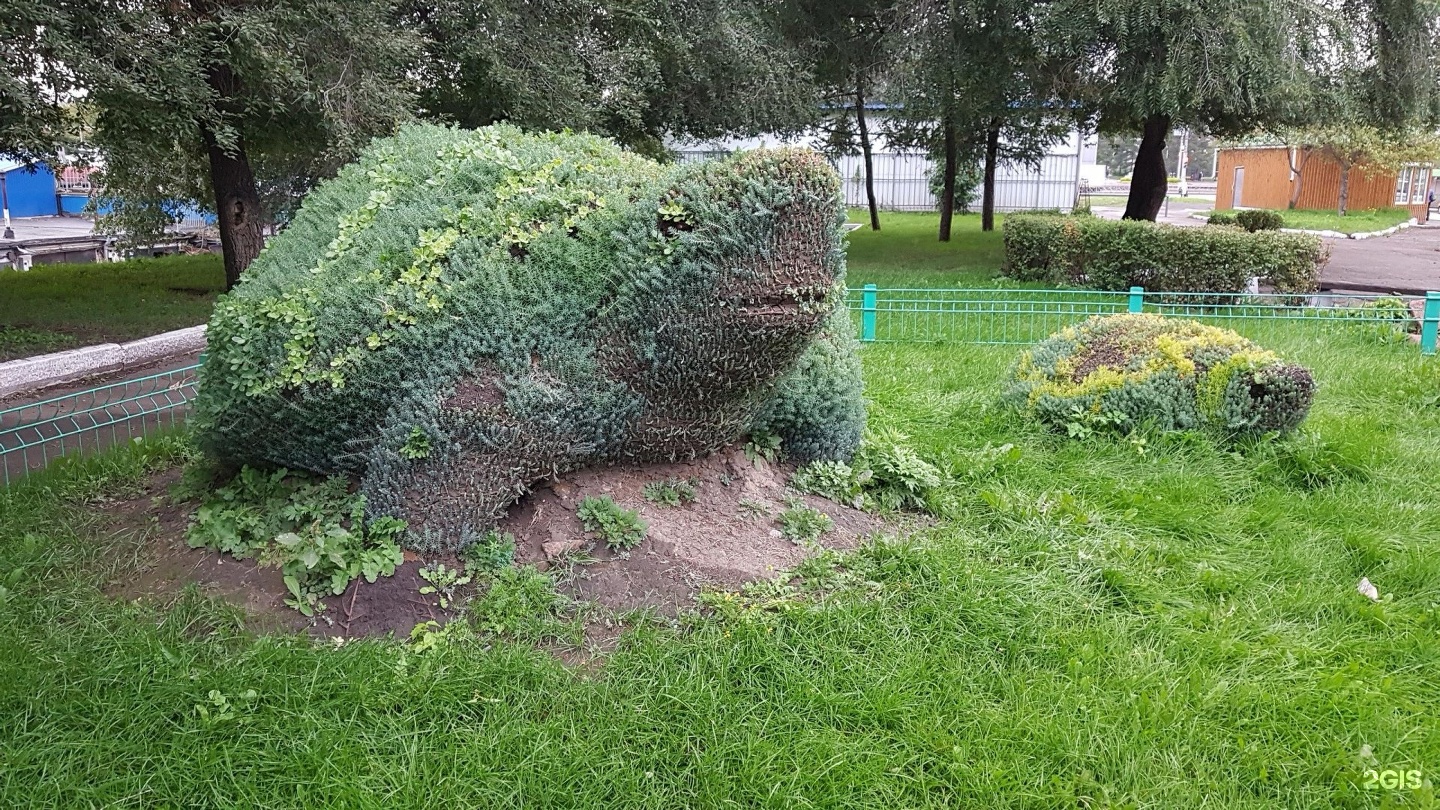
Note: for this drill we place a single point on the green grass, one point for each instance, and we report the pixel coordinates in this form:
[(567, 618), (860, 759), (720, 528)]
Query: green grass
[(1195, 641), (78, 304), (1373, 219), (906, 252), (18, 341)]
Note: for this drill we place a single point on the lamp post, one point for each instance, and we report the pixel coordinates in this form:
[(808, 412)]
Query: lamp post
[(1183, 160)]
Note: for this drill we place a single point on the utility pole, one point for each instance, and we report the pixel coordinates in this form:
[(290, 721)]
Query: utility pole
[(1182, 163)]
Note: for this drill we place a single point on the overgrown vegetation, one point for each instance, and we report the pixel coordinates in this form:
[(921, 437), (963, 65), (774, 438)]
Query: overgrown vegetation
[(1118, 254), (619, 527), (671, 492), (314, 531), (804, 524)]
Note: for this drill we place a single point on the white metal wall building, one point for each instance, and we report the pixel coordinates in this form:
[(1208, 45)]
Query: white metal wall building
[(902, 180)]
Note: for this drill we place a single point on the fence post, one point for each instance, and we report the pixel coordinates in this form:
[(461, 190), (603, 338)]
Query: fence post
[(1430, 323), (867, 313), (1137, 299)]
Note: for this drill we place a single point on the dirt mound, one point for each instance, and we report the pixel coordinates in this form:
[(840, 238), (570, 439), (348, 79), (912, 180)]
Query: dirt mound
[(727, 536)]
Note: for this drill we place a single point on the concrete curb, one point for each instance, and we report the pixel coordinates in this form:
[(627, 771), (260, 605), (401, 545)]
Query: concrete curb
[(45, 370), (1412, 222)]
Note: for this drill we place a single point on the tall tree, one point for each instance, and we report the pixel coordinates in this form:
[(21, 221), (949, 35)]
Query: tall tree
[(205, 103), (1222, 66), (847, 44), (976, 85), (637, 70)]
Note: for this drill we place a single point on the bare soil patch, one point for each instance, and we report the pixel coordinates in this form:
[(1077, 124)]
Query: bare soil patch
[(728, 536)]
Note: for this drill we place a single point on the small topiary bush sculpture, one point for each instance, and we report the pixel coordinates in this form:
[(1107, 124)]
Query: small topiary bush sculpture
[(1124, 371), (1259, 219), (463, 313)]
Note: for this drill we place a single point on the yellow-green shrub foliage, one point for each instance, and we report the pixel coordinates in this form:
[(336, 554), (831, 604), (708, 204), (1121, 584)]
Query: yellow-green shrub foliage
[(463, 313), (1166, 373)]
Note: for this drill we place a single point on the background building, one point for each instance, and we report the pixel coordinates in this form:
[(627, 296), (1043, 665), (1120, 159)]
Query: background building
[(1261, 177)]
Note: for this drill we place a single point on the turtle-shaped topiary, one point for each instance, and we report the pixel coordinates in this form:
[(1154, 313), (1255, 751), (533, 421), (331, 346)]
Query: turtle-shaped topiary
[(461, 314), (1165, 373)]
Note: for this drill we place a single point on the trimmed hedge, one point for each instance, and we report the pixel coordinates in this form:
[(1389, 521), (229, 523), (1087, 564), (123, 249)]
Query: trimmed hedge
[(1259, 219), (1116, 255), (463, 313), (1123, 371)]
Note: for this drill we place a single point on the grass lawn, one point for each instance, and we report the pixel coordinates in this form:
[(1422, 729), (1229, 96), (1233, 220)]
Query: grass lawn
[(59, 306), (1096, 627), (906, 253), (1373, 219)]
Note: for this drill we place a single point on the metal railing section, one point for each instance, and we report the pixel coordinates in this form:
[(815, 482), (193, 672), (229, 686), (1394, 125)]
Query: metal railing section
[(35, 433)]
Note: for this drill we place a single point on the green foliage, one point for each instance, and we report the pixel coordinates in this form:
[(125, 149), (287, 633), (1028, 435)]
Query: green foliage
[(494, 551), (17, 342), (519, 603), (1259, 219), (1205, 599), (463, 313), (818, 409), (443, 582), (804, 524), (1116, 255), (104, 302), (1120, 372), (763, 446), (619, 527), (895, 476), (314, 531), (1221, 218), (834, 480), (886, 474), (671, 492)]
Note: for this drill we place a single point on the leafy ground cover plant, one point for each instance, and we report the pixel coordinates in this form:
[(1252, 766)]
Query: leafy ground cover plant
[(619, 527), (671, 492), (443, 582), (804, 524), (313, 530)]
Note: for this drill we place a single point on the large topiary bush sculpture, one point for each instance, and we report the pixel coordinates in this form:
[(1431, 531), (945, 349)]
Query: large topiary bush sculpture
[(463, 313), (1123, 371)]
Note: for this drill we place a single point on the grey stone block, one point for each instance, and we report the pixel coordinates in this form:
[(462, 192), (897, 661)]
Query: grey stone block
[(50, 369)]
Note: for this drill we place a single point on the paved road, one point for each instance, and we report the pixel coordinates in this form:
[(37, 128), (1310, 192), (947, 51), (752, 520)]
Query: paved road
[(1404, 262)]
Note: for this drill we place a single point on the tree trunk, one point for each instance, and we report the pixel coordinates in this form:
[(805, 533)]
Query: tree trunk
[(237, 200), (1299, 169), (237, 206), (1344, 188), (947, 187), (992, 151), (1148, 183), (865, 150)]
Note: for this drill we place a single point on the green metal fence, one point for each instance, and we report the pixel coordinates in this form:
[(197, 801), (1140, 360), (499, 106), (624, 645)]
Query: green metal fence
[(35, 433), (1019, 317)]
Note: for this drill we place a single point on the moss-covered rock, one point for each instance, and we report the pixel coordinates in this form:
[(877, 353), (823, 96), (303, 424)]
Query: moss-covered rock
[(1125, 371), (463, 313)]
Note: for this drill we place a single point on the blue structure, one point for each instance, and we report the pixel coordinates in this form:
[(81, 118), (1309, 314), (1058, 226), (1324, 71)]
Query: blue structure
[(28, 191)]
